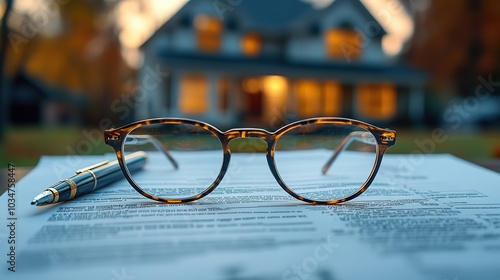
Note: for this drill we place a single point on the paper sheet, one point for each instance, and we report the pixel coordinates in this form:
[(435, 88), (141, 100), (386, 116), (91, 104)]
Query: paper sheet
[(424, 217)]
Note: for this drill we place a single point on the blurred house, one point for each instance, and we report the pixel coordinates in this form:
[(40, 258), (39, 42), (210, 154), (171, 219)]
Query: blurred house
[(265, 62), (35, 102)]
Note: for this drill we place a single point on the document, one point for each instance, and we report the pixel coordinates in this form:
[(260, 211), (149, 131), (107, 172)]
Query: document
[(424, 217)]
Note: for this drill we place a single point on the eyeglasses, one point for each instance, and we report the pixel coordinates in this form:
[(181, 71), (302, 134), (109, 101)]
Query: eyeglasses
[(319, 160)]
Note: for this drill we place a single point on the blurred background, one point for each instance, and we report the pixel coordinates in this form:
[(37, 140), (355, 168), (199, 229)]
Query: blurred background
[(72, 68)]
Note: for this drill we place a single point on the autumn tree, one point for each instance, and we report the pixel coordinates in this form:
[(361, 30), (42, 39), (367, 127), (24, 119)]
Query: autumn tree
[(457, 41)]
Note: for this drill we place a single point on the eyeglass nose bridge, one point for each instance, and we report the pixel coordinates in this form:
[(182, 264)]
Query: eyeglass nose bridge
[(236, 133), (255, 133)]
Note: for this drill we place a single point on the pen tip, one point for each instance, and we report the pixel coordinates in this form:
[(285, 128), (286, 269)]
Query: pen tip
[(33, 202)]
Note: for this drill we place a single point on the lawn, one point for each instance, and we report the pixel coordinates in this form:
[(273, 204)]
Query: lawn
[(24, 146), (467, 145)]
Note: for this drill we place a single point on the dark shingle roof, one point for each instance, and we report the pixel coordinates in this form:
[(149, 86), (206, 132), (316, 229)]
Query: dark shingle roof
[(273, 16), (31, 90)]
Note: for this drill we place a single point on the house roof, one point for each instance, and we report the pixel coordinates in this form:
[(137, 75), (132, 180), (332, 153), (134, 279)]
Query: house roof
[(361, 8), (272, 16), (268, 17), (31, 90)]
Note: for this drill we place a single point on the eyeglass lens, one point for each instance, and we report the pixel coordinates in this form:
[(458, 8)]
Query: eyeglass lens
[(340, 158), (171, 145)]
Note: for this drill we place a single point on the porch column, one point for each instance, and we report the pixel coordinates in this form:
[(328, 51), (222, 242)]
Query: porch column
[(232, 98), (416, 105), (291, 105), (354, 101), (213, 96), (174, 92)]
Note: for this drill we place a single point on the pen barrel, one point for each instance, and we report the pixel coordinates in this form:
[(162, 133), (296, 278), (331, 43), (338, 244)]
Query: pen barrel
[(105, 175), (109, 174)]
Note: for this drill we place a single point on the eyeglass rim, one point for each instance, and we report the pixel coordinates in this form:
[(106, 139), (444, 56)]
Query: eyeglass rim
[(115, 138)]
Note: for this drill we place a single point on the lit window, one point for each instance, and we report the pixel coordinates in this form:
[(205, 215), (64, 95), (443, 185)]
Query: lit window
[(343, 44), (208, 33), (377, 101), (315, 98), (332, 99), (251, 44), (275, 90), (308, 94), (193, 97), (275, 85)]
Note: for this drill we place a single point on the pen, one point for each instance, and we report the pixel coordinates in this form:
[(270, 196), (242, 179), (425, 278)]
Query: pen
[(89, 179)]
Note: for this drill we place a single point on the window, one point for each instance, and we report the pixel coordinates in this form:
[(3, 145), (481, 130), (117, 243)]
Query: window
[(377, 101), (308, 94), (251, 44), (193, 97), (332, 99), (208, 33), (315, 98), (275, 90), (343, 43)]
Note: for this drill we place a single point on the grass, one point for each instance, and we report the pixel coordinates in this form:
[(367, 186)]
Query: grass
[(470, 146), (23, 146)]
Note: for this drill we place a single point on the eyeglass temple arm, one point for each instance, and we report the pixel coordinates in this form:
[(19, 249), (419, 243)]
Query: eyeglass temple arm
[(355, 135), (158, 145)]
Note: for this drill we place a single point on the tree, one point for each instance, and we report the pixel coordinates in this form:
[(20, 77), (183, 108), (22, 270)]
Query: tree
[(457, 42), (4, 109)]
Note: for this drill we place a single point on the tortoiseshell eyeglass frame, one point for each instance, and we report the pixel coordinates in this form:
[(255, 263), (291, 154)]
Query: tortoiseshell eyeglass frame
[(384, 137)]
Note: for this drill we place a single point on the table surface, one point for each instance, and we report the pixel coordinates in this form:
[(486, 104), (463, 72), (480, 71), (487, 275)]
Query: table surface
[(20, 172)]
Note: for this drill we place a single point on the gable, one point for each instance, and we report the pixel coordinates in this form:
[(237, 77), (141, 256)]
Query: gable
[(343, 14), (184, 17)]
